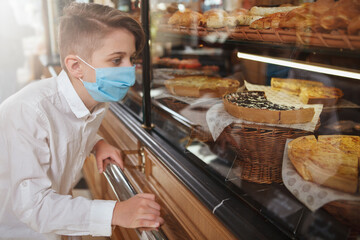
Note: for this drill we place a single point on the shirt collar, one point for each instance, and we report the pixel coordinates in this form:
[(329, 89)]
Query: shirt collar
[(67, 89)]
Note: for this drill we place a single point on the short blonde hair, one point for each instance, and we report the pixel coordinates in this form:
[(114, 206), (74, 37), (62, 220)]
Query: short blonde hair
[(84, 25)]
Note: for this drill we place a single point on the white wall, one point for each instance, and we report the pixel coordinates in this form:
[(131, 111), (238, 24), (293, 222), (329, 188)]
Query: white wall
[(20, 24)]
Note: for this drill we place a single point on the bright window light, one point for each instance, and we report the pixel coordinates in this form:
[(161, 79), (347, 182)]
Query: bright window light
[(161, 6), (181, 7), (308, 67)]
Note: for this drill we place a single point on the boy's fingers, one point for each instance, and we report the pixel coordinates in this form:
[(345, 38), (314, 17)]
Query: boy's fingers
[(146, 195), (105, 163), (151, 217), (99, 164), (154, 205), (147, 223), (117, 159), (150, 210)]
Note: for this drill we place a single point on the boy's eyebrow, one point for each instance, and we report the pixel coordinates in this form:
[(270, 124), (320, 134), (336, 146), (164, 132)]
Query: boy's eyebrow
[(121, 53)]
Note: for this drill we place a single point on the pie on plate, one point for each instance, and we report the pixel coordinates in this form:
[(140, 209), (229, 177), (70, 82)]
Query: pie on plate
[(331, 161), (254, 106), (201, 86), (320, 95)]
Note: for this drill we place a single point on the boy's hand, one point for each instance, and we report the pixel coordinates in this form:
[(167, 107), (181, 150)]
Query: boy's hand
[(140, 211), (106, 153)]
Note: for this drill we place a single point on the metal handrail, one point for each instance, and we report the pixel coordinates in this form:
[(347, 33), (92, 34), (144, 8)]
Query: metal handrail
[(124, 190)]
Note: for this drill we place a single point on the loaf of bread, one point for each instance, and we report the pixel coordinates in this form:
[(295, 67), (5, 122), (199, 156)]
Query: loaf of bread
[(253, 106), (187, 18), (239, 11), (331, 161), (270, 21), (307, 16), (216, 18), (264, 11), (354, 26), (340, 15), (241, 20)]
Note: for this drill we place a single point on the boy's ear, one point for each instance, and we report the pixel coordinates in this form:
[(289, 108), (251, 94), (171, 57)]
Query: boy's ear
[(72, 64)]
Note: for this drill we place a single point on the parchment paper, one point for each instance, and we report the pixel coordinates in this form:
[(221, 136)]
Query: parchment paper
[(217, 117), (274, 95), (310, 194), (163, 93)]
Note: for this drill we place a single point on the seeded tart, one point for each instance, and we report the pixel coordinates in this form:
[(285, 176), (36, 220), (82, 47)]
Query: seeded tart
[(199, 86), (253, 106), (331, 161)]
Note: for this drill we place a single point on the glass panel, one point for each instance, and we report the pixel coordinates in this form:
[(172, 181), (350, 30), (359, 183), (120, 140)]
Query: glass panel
[(133, 100), (222, 94)]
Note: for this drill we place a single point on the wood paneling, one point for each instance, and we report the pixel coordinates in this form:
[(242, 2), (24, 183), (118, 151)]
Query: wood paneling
[(185, 216)]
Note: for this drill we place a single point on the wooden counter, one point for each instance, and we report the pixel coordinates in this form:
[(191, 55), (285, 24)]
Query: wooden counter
[(185, 216)]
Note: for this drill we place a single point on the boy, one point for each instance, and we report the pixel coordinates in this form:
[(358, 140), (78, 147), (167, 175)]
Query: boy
[(49, 127)]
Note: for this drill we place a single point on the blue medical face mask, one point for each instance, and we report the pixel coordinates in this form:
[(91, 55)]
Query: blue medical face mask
[(111, 84)]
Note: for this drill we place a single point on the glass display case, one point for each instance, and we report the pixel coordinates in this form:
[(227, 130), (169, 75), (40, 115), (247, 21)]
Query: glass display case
[(259, 102)]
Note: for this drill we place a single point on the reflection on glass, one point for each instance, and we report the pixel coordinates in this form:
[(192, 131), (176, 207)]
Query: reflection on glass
[(296, 78)]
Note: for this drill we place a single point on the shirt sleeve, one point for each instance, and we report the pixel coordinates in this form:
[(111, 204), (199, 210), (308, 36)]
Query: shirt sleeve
[(34, 200), (97, 138)]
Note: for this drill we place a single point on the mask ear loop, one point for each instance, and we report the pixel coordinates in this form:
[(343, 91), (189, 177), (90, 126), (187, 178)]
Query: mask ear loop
[(86, 64)]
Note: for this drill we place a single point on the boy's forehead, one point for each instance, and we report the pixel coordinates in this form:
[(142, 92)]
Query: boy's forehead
[(117, 41)]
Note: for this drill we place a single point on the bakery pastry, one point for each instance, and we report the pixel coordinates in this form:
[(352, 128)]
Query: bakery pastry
[(270, 21), (239, 11), (199, 86), (332, 160), (300, 18), (241, 20), (354, 26), (240, 17), (292, 86), (307, 16), (187, 18), (215, 18), (253, 106), (310, 92), (340, 15), (264, 11), (327, 96)]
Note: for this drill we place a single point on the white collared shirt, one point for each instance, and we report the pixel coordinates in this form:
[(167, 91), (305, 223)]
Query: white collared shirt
[(46, 132)]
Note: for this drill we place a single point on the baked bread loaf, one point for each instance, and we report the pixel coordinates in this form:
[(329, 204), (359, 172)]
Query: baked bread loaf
[(201, 86), (292, 86), (340, 15), (307, 16), (239, 11), (264, 11), (253, 106), (331, 161), (327, 96), (240, 17), (215, 18), (241, 20), (187, 18), (270, 21), (354, 26)]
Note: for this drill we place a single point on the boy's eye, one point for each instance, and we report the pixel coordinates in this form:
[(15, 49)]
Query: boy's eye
[(116, 61)]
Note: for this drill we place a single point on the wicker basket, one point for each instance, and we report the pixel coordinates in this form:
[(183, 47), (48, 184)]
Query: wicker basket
[(347, 212), (260, 150), (198, 131)]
